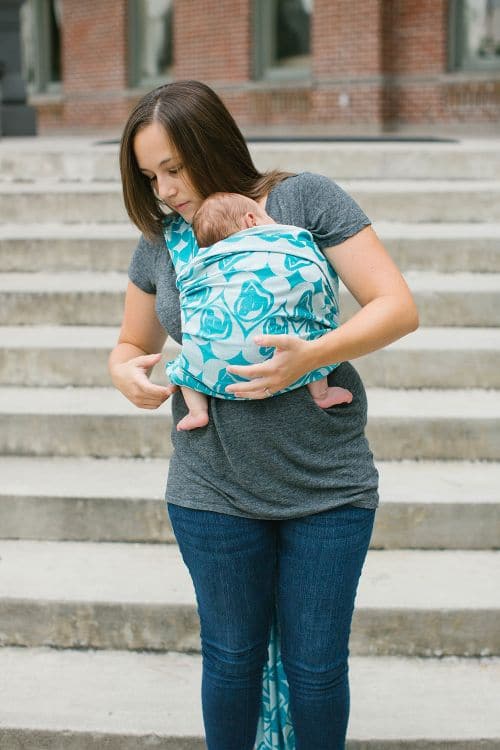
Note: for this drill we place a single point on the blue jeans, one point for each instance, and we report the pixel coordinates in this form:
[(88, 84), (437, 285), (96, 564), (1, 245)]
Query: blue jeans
[(235, 563)]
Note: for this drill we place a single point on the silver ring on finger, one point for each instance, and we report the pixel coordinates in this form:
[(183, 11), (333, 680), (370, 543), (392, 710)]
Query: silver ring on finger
[(267, 392)]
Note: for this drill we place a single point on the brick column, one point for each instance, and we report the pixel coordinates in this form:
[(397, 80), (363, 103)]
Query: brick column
[(212, 40), (347, 61), (94, 62), (414, 58)]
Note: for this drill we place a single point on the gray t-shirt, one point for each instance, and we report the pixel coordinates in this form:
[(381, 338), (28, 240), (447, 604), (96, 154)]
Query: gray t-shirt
[(281, 457)]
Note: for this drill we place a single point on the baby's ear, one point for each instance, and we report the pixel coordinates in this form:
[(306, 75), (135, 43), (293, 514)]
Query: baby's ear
[(249, 220)]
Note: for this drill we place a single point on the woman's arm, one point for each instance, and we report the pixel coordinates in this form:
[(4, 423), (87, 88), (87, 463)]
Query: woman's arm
[(388, 312), (138, 350)]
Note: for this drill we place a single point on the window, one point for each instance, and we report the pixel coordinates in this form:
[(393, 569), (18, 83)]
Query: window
[(282, 39), (475, 35), (41, 44), (151, 41)]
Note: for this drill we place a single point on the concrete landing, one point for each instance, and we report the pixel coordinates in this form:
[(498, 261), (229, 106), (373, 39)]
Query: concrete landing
[(133, 701), (140, 596)]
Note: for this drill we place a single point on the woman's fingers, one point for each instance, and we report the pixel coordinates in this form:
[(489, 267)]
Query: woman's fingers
[(133, 381), (254, 395), (151, 394), (252, 371), (279, 340), (286, 365), (249, 390)]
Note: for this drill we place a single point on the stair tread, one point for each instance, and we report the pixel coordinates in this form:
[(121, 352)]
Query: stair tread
[(440, 338), (63, 281), (94, 281), (93, 144), (115, 230), (435, 699), (144, 478), (99, 400), (154, 574), (430, 230), (383, 402), (372, 185), (57, 230), (59, 337), (433, 403)]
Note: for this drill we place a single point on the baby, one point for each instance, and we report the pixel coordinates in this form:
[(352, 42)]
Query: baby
[(249, 275)]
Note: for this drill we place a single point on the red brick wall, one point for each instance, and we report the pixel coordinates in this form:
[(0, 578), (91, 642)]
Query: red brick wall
[(414, 36), (374, 63), (415, 51), (346, 38), (212, 40), (94, 61), (94, 49)]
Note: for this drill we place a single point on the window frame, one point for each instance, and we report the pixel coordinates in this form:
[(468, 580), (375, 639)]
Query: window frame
[(42, 82), (135, 26), (263, 70), (457, 61)]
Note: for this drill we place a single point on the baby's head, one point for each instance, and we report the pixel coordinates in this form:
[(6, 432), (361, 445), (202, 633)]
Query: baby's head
[(222, 214)]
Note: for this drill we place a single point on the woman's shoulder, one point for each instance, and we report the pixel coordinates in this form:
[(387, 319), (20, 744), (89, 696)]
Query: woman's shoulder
[(319, 204), (148, 256), (148, 249), (306, 193), (303, 182)]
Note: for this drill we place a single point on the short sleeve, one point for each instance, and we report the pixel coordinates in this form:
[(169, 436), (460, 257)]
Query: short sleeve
[(331, 214), (141, 270)]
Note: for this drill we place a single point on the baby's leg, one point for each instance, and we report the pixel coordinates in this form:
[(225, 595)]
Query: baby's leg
[(197, 403), (325, 395)]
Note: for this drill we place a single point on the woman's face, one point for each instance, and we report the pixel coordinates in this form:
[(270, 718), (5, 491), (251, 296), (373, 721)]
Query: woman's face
[(159, 161)]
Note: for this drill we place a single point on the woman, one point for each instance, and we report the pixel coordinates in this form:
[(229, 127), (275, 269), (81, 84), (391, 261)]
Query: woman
[(265, 515)]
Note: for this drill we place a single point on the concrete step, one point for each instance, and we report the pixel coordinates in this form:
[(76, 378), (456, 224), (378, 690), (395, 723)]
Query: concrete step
[(107, 247), (80, 422), (436, 358), (446, 248), (427, 200), (433, 424), (423, 505), (78, 247), (96, 298), (65, 201), (387, 200), (412, 424), (85, 158), (82, 298), (466, 160), (63, 355), (76, 700), (140, 596), (428, 358), (446, 299)]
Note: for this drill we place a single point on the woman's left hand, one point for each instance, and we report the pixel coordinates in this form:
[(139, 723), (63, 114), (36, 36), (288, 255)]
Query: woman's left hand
[(291, 360)]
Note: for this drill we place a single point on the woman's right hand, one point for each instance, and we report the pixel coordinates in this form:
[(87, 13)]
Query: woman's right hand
[(131, 378)]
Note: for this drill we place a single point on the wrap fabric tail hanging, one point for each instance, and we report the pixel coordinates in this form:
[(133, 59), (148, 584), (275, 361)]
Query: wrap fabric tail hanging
[(274, 729)]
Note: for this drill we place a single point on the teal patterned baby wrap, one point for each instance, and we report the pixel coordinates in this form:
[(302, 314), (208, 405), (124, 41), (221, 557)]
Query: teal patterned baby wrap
[(264, 280), (268, 279)]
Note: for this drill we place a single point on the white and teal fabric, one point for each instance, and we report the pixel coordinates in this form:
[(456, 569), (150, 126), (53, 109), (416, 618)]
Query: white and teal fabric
[(274, 729), (268, 279)]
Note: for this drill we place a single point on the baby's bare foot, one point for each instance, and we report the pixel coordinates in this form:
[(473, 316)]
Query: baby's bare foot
[(333, 396), (193, 421)]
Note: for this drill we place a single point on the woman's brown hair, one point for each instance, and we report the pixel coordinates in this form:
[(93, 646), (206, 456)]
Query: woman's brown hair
[(208, 141)]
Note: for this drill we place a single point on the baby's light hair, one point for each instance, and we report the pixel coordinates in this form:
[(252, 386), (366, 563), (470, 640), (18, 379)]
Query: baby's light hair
[(220, 215)]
